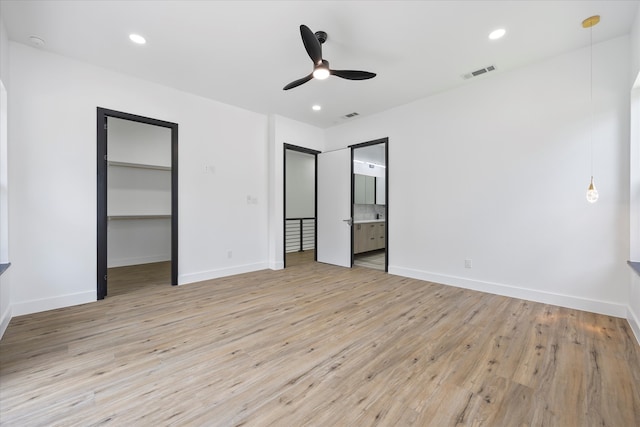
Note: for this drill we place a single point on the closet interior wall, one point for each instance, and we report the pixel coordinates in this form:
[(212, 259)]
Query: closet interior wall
[(138, 193)]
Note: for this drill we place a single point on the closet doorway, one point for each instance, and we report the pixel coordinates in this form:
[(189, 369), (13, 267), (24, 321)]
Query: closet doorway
[(137, 200)]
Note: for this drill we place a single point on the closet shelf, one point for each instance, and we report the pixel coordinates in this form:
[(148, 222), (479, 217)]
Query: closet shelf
[(117, 217), (4, 266), (138, 165), (635, 265)]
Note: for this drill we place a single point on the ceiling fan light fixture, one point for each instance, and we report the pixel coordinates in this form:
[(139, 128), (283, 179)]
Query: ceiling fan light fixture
[(321, 71)]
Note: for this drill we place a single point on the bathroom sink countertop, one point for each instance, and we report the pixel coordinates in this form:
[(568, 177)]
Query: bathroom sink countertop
[(365, 221)]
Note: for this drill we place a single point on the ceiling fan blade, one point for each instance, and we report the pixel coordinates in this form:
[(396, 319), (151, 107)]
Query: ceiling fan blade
[(298, 82), (353, 74), (311, 44)]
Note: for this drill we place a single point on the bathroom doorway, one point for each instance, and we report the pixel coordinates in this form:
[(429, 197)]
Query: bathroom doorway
[(370, 204)]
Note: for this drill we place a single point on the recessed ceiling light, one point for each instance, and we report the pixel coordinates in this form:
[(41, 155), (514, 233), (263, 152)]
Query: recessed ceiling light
[(495, 35), (137, 38), (316, 108)]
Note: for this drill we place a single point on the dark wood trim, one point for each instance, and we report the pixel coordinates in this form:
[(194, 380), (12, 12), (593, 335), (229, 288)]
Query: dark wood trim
[(284, 206), (367, 143), (301, 149), (101, 278), (315, 210), (386, 192), (284, 198), (386, 205), (174, 203), (101, 132), (353, 192)]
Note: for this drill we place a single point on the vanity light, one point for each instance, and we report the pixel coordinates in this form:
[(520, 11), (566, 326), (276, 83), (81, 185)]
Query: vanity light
[(371, 165), (496, 34), (137, 39)]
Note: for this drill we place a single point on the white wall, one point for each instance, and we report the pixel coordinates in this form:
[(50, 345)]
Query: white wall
[(52, 140), (634, 37), (284, 131), (634, 207), (633, 315), (496, 171), (5, 279), (301, 183), (135, 142)]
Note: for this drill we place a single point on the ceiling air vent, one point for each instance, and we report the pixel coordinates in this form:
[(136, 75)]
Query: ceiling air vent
[(350, 115), (479, 72)]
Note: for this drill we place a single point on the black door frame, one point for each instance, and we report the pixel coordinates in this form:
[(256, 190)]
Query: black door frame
[(102, 115), (386, 194), (284, 198)]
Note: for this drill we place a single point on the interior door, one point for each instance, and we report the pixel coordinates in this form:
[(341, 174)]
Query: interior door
[(334, 208)]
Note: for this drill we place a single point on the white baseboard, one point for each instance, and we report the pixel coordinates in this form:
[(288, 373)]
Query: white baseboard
[(183, 279), (123, 262), (276, 265), (4, 320), (44, 304), (633, 320), (585, 304)]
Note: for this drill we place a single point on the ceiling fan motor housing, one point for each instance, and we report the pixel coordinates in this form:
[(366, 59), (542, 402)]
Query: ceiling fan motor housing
[(321, 36)]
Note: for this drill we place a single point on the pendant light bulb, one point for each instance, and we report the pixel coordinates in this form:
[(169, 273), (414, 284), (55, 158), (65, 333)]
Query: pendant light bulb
[(592, 193)]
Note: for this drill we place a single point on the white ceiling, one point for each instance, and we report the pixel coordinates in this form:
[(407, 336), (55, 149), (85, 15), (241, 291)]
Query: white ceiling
[(244, 52)]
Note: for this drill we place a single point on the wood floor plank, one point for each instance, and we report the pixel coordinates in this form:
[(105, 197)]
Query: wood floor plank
[(315, 345)]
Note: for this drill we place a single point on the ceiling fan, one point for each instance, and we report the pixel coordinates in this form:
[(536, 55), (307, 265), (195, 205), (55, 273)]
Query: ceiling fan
[(313, 44)]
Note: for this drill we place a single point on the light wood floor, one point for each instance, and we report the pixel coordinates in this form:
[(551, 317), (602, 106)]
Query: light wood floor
[(321, 346), (294, 259), (123, 280)]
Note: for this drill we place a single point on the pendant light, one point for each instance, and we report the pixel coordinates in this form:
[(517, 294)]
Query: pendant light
[(592, 193)]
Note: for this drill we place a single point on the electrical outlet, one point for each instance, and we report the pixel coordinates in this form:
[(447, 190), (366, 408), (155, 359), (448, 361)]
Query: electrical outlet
[(468, 263), (229, 254)]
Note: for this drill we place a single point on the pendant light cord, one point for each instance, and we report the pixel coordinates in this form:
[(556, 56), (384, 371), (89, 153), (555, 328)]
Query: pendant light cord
[(591, 92)]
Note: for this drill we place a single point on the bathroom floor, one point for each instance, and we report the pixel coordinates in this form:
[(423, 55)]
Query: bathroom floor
[(373, 259)]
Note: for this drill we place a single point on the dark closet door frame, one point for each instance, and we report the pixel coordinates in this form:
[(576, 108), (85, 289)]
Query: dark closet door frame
[(284, 199), (102, 115), (386, 194)]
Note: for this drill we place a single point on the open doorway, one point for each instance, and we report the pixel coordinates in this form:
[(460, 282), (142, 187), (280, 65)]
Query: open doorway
[(300, 177), (370, 204), (137, 202)]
